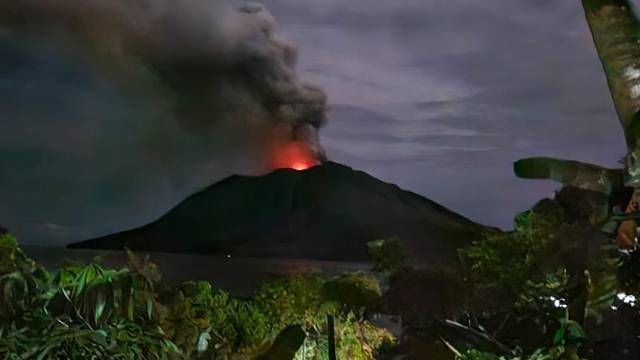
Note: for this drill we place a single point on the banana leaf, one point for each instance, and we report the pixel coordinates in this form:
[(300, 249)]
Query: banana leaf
[(285, 345), (569, 172), (616, 34)]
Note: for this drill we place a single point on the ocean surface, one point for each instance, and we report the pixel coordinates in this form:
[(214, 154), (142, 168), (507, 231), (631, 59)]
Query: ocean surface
[(235, 275)]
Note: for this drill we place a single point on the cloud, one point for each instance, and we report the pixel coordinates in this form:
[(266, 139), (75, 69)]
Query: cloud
[(455, 91)]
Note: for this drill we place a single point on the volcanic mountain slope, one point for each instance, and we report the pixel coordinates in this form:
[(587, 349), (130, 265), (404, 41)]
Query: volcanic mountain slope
[(326, 212)]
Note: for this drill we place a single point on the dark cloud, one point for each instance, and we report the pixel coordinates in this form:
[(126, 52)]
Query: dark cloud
[(465, 88)]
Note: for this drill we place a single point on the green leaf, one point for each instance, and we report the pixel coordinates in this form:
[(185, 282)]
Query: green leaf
[(569, 333), (286, 344), (610, 227), (203, 341), (569, 172), (100, 337), (99, 307), (575, 333), (558, 337), (615, 30)]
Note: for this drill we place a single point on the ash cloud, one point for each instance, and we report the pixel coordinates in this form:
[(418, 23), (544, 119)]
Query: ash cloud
[(115, 110), (224, 65)]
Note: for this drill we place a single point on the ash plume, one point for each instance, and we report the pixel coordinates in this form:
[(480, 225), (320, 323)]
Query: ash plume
[(118, 109), (225, 67)]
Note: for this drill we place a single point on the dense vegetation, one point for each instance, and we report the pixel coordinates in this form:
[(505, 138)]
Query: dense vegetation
[(89, 312), (555, 287)]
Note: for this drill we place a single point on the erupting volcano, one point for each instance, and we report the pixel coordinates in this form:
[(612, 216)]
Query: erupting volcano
[(295, 155), (328, 212)]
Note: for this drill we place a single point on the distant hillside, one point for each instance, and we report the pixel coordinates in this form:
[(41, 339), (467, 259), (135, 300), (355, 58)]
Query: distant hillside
[(326, 212)]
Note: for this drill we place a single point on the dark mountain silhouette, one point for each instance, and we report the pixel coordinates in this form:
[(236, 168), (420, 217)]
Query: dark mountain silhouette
[(326, 212)]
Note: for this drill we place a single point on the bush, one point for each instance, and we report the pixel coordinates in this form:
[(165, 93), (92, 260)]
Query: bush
[(307, 300), (529, 291), (501, 261), (87, 311)]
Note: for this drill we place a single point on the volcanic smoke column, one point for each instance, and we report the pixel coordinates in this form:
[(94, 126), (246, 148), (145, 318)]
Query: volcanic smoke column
[(226, 69)]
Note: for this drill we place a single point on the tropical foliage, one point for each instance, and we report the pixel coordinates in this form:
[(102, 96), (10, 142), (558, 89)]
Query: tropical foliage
[(91, 312), (546, 290)]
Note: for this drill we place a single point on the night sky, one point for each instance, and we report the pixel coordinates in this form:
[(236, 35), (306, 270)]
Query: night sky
[(439, 97)]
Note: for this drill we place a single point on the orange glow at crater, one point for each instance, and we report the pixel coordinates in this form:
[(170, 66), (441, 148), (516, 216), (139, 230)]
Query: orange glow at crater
[(293, 155), (300, 166)]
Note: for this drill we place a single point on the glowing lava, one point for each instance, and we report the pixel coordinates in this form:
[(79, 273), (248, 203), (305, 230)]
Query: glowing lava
[(293, 155), (300, 166)]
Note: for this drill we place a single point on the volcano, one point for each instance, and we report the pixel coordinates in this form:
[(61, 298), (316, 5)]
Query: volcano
[(329, 212)]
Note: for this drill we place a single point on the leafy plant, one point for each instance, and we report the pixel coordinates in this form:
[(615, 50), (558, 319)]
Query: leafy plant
[(88, 311), (285, 345), (566, 341), (502, 261), (387, 254), (306, 300)]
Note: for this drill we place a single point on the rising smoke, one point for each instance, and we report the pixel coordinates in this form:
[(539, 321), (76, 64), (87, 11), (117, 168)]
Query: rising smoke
[(203, 89), (225, 66)]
